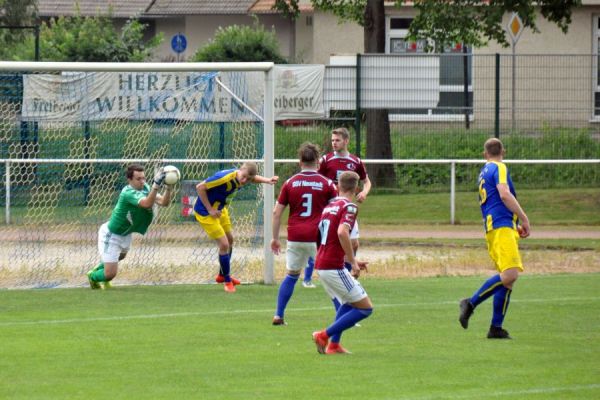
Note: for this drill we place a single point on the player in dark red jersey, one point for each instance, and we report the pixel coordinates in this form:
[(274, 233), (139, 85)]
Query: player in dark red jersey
[(307, 193), (337, 221), (333, 164)]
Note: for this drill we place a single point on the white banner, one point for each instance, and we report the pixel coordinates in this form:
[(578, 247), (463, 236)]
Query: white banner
[(191, 96), (133, 95), (299, 91)]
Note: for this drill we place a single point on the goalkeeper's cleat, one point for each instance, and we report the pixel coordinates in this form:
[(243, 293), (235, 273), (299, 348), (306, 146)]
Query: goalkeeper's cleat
[(466, 310), (336, 348), (321, 340), (221, 279), (93, 284), (308, 284), (229, 287), (496, 332), (278, 321), (107, 285)]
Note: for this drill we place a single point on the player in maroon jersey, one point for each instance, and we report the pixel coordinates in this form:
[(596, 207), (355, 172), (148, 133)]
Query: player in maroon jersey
[(337, 221), (307, 193), (333, 164)]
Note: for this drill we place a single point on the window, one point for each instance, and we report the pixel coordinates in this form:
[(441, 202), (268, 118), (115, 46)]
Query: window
[(452, 100)]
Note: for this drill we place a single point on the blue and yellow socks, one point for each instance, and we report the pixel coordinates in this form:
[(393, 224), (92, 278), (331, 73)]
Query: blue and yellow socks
[(486, 290), (501, 302), (224, 262)]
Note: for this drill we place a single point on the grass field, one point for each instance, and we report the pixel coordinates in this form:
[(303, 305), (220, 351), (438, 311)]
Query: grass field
[(175, 342)]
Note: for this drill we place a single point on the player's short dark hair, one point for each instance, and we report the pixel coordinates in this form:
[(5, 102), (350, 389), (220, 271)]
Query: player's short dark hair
[(132, 168), (493, 147), (343, 132), (348, 181), (309, 153)]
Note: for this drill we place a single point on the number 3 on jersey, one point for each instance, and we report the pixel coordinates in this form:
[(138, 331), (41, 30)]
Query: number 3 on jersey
[(307, 205), (324, 230)]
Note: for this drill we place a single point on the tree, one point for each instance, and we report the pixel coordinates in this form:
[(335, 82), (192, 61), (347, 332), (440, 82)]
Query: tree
[(477, 22), (242, 43), (88, 39), (15, 13), (473, 22)]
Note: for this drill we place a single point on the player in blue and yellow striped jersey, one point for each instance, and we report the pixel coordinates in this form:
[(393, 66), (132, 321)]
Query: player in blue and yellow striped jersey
[(504, 222), (211, 210)]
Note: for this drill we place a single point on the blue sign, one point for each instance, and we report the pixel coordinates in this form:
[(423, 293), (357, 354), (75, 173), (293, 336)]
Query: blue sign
[(179, 43)]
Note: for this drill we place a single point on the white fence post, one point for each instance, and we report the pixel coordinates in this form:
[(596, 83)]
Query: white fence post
[(452, 191), (7, 186)]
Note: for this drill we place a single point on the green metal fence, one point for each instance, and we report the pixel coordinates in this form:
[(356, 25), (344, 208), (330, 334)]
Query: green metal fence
[(444, 106)]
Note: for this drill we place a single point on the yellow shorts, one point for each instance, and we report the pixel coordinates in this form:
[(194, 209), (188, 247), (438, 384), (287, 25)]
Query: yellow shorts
[(215, 227), (503, 246)]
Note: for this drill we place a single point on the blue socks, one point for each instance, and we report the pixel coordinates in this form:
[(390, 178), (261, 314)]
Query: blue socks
[(489, 288), (224, 262), (285, 293), (308, 271), (336, 303), (340, 312), (348, 320), (501, 302)]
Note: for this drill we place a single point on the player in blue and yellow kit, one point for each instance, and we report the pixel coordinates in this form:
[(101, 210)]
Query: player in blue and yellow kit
[(211, 210), (504, 222)]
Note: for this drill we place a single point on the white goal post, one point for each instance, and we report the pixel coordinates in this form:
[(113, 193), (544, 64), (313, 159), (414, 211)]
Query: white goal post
[(244, 130)]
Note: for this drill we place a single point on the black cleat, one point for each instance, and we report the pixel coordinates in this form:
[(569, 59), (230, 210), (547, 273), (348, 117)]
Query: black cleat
[(278, 321), (466, 310), (497, 332)]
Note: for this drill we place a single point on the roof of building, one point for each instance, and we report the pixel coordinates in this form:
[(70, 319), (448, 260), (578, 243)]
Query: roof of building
[(120, 9), (130, 8), (266, 7), (197, 7)]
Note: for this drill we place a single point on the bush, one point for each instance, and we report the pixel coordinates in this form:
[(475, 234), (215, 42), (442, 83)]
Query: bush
[(241, 43)]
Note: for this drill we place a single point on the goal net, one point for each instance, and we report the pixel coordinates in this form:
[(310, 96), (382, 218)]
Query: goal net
[(69, 130)]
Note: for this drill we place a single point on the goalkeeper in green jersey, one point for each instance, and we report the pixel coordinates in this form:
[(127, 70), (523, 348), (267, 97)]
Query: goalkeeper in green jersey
[(133, 213)]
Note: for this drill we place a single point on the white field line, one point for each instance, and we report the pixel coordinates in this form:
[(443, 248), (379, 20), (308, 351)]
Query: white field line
[(269, 310), (506, 393)]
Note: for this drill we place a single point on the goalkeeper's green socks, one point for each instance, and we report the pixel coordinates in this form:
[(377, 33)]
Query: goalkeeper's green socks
[(97, 274)]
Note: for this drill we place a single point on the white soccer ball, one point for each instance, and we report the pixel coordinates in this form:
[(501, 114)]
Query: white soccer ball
[(172, 175)]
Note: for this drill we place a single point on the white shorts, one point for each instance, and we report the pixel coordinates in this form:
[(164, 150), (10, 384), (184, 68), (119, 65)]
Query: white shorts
[(111, 245), (340, 284), (354, 234), (297, 254)]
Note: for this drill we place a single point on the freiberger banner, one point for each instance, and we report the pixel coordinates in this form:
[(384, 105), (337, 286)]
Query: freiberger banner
[(189, 96), (299, 91)]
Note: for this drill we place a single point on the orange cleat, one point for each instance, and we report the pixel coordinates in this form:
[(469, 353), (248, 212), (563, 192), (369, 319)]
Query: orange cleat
[(221, 279), (229, 287), (336, 348), (321, 340)]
